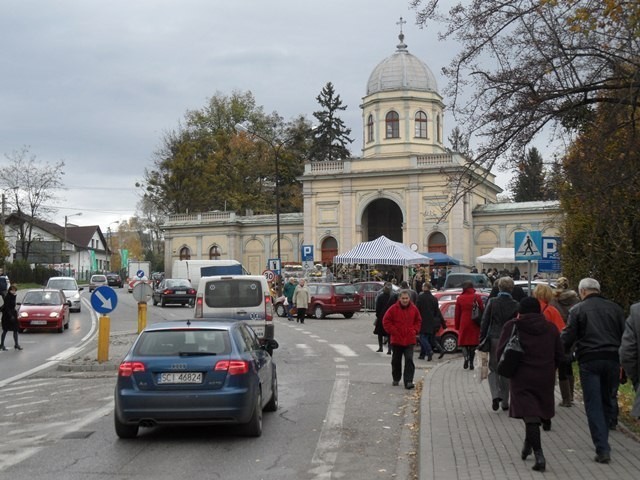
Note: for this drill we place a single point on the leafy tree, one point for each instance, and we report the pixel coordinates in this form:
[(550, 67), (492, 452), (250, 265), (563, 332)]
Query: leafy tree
[(529, 65), (529, 183), (33, 186), (206, 165), (601, 200), (4, 247), (331, 136)]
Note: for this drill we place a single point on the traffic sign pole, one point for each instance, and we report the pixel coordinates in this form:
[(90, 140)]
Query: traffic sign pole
[(104, 327), (142, 316)]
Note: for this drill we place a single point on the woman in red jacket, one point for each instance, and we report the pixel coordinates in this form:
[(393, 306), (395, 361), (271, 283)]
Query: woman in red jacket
[(468, 330)]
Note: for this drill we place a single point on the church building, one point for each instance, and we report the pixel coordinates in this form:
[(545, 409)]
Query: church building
[(401, 187)]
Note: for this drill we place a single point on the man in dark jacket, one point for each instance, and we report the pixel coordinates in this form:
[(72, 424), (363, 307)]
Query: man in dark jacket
[(432, 320), (402, 322), (630, 353), (595, 326), (384, 300)]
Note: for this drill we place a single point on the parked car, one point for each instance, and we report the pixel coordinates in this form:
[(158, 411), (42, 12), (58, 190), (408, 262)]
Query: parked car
[(524, 284), (174, 290), (44, 308), (332, 298), (114, 280), (447, 295), (368, 292), (97, 281), (70, 288), (195, 372), (448, 336), (455, 280), (237, 297)]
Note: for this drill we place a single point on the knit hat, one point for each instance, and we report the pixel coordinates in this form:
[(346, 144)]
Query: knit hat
[(529, 305)]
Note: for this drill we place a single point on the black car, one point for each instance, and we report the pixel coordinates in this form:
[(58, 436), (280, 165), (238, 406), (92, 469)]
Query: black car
[(114, 280), (174, 290)]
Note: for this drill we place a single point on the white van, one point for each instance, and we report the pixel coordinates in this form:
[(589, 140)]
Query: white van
[(193, 270), (237, 297)]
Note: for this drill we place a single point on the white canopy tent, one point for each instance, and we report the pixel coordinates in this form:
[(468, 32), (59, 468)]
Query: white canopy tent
[(499, 255), (382, 251)]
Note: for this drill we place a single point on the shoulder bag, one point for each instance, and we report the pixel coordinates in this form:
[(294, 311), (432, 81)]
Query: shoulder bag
[(511, 355), (476, 314)]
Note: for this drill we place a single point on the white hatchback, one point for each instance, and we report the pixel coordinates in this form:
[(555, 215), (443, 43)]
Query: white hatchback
[(70, 288)]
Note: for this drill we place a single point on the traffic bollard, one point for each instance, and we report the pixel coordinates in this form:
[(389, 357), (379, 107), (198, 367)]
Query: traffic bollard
[(142, 316), (104, 327)]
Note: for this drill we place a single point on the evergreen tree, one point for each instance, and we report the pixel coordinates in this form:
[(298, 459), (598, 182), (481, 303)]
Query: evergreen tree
[(331, 136), (460, 142), (529, 182)]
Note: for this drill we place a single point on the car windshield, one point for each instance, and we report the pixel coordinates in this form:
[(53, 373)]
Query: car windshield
[(42, 298), (62, 284), (183, 342)]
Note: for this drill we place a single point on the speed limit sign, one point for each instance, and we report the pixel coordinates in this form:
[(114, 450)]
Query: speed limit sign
[(269, 275)]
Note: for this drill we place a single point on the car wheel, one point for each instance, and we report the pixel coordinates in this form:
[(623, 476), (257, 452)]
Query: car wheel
[(155, 302), (60, 329), (254, 427), (272, 405), (162, 302), (123, 430), (348, 315), (449, 342), (280, 310), (66, 325), (317, 312)]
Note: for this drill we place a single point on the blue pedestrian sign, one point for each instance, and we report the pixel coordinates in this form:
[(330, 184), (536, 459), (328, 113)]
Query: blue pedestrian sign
[(528, 246), (104, 299)]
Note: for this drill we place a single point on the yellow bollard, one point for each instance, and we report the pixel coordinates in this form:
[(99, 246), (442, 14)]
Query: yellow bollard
[(142, 316), (104, 326)]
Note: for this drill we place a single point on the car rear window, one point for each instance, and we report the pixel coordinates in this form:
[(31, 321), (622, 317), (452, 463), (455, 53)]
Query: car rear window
[(63, 284), (345, 289), (98, 278), (177, 283), (233, 293), (175, 342)]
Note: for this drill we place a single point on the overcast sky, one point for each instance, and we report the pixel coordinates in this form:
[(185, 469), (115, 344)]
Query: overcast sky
[(96, 83)]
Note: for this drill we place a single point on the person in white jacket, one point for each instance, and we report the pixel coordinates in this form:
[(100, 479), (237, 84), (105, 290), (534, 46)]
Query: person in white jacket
[(301, 299)]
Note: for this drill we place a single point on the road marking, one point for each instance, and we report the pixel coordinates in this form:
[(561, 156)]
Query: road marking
[(326, 453), (344, 350)]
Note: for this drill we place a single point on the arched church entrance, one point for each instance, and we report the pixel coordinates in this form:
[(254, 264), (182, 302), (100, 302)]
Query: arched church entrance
[(382, 217), (328, 249)]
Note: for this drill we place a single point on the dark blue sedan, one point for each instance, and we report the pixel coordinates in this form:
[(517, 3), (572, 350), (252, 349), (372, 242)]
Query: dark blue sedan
[(196, 373)]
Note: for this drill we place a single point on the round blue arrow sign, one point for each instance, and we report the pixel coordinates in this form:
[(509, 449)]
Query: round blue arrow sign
[(104, 299)]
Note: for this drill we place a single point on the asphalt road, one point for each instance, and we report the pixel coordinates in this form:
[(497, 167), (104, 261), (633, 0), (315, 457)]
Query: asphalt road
[(339, 417)]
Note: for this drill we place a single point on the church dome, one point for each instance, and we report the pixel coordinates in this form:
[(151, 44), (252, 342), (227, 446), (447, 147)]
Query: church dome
[(401, 71)]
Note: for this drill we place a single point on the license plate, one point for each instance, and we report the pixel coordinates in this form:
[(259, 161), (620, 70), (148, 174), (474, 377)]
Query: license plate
[(38, 322), (347, 299), (259, 331), (181, 293), (182, 377)]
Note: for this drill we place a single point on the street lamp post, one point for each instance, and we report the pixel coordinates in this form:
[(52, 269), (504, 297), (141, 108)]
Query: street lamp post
[(66, 219), (275, 146)]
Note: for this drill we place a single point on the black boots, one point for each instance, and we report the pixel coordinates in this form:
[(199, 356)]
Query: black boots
[(565, 392), (472, 354), (541, 463), (526, 450)]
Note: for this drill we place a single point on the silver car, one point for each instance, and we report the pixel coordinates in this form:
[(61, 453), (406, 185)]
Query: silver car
[(70, 288)]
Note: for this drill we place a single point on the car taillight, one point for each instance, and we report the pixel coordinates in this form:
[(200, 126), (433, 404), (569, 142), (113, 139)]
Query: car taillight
[(167, 292), (268, 308), (129, 368), (191, 291), (232, 367), (198, 313)]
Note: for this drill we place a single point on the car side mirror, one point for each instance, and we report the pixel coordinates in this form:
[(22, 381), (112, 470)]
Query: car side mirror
[(269, 344), (68, 302)]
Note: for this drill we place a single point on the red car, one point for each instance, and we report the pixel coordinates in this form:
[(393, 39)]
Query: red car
[(448, 336), (46, 308), (368, 292)]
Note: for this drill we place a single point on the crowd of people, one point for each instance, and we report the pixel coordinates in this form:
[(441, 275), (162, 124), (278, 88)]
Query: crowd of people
[(554, 327)]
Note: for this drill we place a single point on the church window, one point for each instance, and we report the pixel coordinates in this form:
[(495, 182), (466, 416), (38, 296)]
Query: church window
[(438, 132), (185, 253), (370, 128), (421, 125), (392, 121), (215, 253)]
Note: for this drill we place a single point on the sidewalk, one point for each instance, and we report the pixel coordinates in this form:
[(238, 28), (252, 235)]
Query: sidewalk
[(462, 438)]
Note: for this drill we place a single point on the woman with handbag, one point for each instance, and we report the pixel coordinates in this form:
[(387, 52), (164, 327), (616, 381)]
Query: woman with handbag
[(531, 386), (499, 310), (468, 329)]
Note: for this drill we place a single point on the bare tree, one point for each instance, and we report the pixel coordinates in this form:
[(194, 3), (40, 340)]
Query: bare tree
[(531, 65), (33, 186)]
